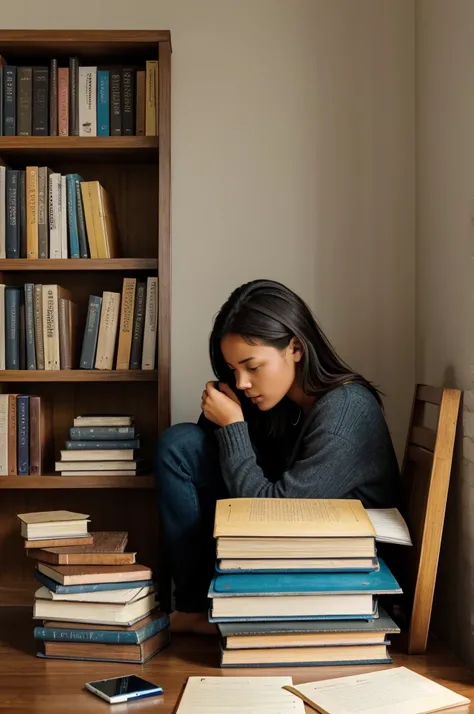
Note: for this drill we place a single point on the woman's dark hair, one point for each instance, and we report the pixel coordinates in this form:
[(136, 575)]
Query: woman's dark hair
[(269, 313)]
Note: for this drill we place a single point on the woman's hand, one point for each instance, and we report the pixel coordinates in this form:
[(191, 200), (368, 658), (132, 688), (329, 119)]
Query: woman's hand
[(221, 407)]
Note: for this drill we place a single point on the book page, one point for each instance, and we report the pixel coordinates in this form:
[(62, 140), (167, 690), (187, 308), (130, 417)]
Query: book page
[(391, 691), (390, 526), (292, 517), (239, 695)]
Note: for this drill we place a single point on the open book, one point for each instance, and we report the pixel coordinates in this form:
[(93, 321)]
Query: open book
[(390, 691), (239, 695), (390, 526)]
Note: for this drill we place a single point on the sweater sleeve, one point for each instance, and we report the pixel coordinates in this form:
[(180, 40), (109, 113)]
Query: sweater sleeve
[(329, 466)]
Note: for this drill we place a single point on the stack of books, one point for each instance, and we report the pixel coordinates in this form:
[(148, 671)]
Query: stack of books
[(297, 583), (100, 445), (95, 601)]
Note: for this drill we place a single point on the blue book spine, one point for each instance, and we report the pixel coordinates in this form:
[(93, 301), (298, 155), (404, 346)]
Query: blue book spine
[(9, 101), (91, 333), (81, 221), (87, 587), (12, 324), (101, 433), (23, 428), (103, 445), (30, 326), (73, 229), (103, 103), (106, 637), (12, 227)]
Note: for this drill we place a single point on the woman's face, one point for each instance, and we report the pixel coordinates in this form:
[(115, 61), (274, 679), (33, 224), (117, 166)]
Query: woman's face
[(264, 373)]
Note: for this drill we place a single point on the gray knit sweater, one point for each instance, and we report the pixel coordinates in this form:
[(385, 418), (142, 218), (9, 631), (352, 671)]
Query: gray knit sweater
[(343, 450)]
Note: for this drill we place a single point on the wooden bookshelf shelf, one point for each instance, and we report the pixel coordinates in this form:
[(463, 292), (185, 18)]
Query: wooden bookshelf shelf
[(30, 482), (126, 148), (74, 264), (79, 375)]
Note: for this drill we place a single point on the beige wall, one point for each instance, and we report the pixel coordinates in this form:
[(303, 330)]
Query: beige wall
[(445, 251), (292, 159)]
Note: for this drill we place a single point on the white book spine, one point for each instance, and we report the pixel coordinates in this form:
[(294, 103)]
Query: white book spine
[(151, 322), (2, 329), (3, 434), (51, 327), (63, 218), (87, 92), (3, 212), (54, 218)]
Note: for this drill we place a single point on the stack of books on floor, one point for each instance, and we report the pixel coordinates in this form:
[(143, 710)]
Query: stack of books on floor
[(95, 602), (100, 445), (297, 583)]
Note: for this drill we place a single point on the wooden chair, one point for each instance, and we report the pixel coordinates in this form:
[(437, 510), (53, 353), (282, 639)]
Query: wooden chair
[(426, 472)]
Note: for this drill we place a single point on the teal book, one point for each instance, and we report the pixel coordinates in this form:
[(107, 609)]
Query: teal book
[(56, 587), (273, 584), (134, 635)]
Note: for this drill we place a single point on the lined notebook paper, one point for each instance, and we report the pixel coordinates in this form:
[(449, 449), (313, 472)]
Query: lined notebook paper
[(390, 526), (239, 695), (391, 691)]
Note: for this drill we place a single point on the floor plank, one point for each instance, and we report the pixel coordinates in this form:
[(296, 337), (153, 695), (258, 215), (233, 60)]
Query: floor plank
[(30, 685)]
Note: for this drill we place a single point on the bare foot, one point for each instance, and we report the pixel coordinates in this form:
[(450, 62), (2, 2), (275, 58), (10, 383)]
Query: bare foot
[(191, 622)]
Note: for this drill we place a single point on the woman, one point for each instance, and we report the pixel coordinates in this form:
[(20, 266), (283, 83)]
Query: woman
[(287, 419)]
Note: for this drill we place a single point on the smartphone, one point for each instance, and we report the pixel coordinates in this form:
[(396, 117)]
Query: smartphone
[(123, 689)]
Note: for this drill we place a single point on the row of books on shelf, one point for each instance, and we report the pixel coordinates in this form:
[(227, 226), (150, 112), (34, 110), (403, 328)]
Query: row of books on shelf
[(97, 445), (94, 601), (39, 328), (44, 214), (297, 582), (75, 100)]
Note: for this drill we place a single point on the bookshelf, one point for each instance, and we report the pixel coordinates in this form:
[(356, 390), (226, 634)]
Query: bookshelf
[(135, 171)]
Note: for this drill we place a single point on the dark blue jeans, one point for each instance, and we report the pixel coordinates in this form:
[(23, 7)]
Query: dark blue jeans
[(189, 482)]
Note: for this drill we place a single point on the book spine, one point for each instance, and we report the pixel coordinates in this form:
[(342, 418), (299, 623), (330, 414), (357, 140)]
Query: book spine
[(63, 101), (128, 101), (63, 219), (140, 103), (53, 98), (151, 320), (43, 218), (23, 436), (51, 634), (24, 101), (54, 219), (32, 211), (40, 101), (30, 326), (89, 344), (64, 335), (81, 221), (23, 231), (3, 212), (102, 445), (87, 99), (73, 96), (12, 435), (101, 433), (51, 328), (115, 103), (72, 217), (22, 332), (103, 103), (151, 83), (13, 217), (2, 328), (138, 325), (126, 323), (35, 436), (4, 435), (39, 340), (9, 100), (106, 341), (2, 74), (12, 324)]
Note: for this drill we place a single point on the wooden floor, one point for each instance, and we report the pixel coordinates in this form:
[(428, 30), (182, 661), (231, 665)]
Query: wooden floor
[(30, 685)]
